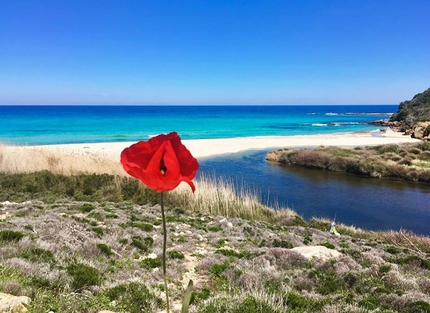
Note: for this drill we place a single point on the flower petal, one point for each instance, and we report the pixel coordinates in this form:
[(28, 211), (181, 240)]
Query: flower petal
[(161, 163)]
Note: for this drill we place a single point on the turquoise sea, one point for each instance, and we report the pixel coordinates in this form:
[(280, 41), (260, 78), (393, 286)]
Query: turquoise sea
[(84, 124), (367, 203)]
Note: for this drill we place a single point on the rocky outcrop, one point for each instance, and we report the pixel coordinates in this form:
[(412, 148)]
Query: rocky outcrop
[(394, 125), (13, 304), (421, 130), (317, 252), (412, 117), (413, 111)]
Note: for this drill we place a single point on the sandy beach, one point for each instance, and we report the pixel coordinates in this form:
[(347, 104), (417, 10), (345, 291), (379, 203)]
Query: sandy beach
[(201, 148)]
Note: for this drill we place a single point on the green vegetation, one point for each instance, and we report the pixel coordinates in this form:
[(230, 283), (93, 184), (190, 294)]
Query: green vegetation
[(143, 226), (52, 252), (35, 254), (105, 249), (409, 162), (327, 245), (282, 244), (144, 244), (83, 276), (249, 304), (218, 269), (134, 298), (150, 263), (413, 259), (10, 235), (83, 187), (175, 255), (413, 111), (234, 254)]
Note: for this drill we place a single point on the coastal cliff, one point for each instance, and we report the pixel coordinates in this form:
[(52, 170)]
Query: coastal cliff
[(413, 111), (412, 117)]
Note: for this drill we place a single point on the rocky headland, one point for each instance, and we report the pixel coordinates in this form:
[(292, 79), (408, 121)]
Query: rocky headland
[(412, 117)]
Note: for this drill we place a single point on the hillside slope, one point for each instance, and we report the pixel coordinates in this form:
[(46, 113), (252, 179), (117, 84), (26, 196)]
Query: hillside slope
[(412, 111), (75, 256)]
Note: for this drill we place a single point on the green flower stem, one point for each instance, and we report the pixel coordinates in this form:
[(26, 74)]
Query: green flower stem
[(166, 290)]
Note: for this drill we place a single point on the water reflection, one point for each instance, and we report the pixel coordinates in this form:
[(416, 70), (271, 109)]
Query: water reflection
[(367, 203)]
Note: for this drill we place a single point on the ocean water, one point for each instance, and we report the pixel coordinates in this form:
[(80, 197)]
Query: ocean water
[(88, 124), (366, 203)]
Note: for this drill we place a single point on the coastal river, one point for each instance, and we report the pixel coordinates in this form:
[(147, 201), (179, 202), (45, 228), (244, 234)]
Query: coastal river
[(373, 204)]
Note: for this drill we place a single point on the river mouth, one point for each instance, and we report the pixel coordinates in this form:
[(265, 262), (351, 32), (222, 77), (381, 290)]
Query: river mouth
[(372, 204)]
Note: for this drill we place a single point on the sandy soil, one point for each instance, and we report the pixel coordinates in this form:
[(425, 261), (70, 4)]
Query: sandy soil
[(201, 148)]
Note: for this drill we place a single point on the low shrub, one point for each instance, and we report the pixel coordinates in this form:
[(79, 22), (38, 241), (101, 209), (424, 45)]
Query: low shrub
[(198, 296), (214, 228), (98, 230), (328, 283), (327, 245), (39, 282), (220, 243), (385, 268), (84, 276), (310, 158), (134, 298), (105, 249), (282, 244), (10, 235), (86, 208), (424, 146), (232, 253), (241, 304), (149, 263), (217, 269), (143, 226), (392, 250), (417, 307), (37, 255), (176, 255), (393, 148), (298, 303), (423, 263), (144, 244)]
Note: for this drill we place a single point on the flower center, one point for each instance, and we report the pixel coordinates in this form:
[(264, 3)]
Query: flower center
[(163, 168)]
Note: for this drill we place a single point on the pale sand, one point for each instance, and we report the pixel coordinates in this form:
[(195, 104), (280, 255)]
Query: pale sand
[(201, 148)]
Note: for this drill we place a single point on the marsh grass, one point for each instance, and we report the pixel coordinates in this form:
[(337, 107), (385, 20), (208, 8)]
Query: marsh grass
[(405, 161), (218, 196)]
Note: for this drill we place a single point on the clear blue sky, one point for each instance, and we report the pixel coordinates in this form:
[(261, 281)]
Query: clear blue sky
[(213, 52)]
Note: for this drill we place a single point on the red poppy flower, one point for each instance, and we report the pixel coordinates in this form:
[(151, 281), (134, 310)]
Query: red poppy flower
[(161, 163)]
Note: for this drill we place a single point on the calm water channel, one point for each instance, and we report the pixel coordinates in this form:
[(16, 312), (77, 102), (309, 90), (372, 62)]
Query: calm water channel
[(366, 203)]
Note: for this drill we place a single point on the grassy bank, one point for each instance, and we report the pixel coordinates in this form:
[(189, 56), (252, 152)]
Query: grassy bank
[(409, 162)]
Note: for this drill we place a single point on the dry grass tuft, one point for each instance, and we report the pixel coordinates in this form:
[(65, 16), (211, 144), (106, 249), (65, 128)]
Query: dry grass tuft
[(27, 159), (407, 239), (219, 197)]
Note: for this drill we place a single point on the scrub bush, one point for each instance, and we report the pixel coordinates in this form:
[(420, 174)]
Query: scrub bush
[(83, 276)]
